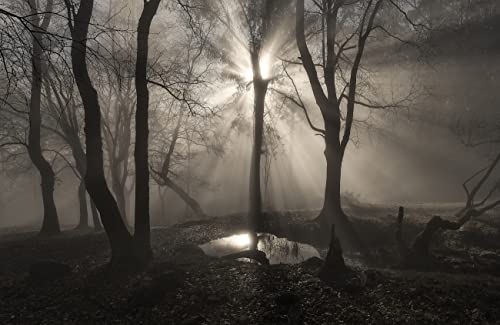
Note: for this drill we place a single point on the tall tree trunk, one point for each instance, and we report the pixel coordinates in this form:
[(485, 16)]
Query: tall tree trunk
[(255, 217), (95, 216), (119, 238), (329, 104), (82, 200), (332, 203), (50, 224), (81, 165), (142, 218), (332, 212), (189, 200), (119, 192)]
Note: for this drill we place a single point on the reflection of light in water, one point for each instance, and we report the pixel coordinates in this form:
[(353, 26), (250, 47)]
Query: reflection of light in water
[(242, 240), (226, 245), (278, 250)]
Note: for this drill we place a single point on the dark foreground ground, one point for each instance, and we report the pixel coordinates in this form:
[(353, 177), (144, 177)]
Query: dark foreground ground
[(182, 286)]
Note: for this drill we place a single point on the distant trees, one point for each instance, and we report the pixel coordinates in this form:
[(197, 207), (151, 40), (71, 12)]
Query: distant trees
[(63, 105), (58, 114), (184, 123), (332, 37), (25, 29), (115, 78), (453, 13)]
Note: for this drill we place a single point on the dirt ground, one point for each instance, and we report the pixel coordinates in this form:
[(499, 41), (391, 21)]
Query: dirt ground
[(183, 286)]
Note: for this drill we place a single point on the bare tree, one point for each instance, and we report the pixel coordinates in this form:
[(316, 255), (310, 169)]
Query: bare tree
[(118, 235), (336, 138), (251, 25), (50, 223), (63, 106), (142, 218), (186, 123), (342, 37), (117, 86)]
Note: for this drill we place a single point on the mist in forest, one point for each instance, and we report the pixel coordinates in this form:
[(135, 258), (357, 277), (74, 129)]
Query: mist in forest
[(249, 161), (406, 156)]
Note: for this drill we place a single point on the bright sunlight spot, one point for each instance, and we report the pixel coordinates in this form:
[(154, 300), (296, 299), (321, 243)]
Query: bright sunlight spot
[(265, 69), (242, 240)]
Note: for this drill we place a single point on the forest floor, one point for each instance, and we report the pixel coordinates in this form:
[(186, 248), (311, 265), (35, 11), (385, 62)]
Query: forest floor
[(183, 286)]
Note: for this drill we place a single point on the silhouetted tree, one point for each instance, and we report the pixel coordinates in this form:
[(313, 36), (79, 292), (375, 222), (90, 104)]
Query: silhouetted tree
[(50, 223), (118, 235), (336, 137), (142, 218), (344, 32)]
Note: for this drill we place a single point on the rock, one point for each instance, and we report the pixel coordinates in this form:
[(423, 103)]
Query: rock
[(44, 271)]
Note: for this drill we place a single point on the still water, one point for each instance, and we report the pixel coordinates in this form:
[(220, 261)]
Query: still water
[(278, 250)]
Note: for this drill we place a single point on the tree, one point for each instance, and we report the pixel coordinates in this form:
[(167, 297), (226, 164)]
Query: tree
[(52, 45), (184, 124), (344, 32), (251, 25), (63, 106), (142, 218), (114, 75), (50, 223), (117, 86), (329, 103), (259, 17), (118, 235)]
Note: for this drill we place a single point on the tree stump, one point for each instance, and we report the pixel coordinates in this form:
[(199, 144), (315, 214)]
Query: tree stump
[(334, 264)]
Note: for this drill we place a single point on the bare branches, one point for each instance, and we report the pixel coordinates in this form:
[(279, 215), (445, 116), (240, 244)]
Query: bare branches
[(415, 25), (297, 101), (486, 174)]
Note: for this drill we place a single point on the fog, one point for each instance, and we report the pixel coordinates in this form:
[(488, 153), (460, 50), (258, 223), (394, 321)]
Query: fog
[(410, 156), (398, 156)]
